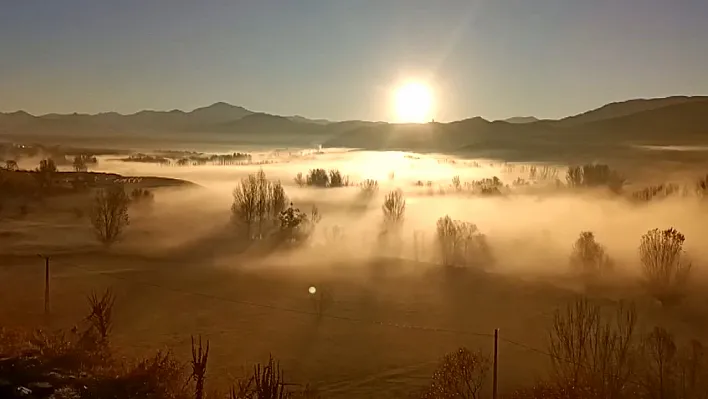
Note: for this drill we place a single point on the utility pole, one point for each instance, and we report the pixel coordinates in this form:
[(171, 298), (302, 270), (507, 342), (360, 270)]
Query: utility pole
[(46, 284), (496, 352)]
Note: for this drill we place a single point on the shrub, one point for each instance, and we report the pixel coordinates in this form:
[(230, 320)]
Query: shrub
[(462, 374), (296, 226), (394, 209), (369, 188), (318, 178), (299, 180), (588, 258), (460, 243), (109, 213), (456, 184), (266, 382), (665, 268), (141, 196), (11, 166)]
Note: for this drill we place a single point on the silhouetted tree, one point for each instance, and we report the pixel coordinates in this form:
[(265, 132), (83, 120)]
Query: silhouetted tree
[(588, 258), (79, 164), (461, 375), (109, 213), (665, 268), (257, 204), (394, 210), (461, 243), (594, 175), (593, 353), (11, 165), (318, 178), (369, 188), (45, 173)]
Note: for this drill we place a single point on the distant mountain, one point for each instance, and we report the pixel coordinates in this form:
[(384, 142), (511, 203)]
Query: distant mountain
[(677, 122), (624, 108), (672, 120), (521, 119)]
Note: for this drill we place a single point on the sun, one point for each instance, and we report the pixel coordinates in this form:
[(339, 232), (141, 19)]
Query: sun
[(413, 103)]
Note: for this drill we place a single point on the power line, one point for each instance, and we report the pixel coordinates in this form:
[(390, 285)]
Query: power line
[(335, 317)]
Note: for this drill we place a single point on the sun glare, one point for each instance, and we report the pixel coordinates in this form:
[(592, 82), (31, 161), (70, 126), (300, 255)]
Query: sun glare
[(413, 103)]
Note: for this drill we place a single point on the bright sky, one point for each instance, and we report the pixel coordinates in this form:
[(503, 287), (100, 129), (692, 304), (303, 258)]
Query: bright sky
[(339, 59)]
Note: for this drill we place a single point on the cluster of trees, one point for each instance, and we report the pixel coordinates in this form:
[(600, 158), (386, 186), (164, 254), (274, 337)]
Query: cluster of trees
[(486, 186), (192, 159), (322, 178), (665, 266), (461, 243), (594, 175), (82, 162), (257, 205)]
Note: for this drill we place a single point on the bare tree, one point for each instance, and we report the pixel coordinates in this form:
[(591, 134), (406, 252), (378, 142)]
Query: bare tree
[(461, 375), (591, 352), (109, 213), (200, 356), (257, 204), (369, 188), (665, 268), (244, 208), (45, 173), (263, 200), (461, 243), (101, 316), (299, 180), (660, 378), (11, 165), (79, 164), (266, 382), (394, 209)]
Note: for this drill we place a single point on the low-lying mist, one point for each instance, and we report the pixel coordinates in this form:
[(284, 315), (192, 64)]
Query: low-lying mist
[(529, 231)]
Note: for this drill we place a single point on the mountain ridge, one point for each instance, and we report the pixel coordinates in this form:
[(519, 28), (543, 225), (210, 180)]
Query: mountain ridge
[(661, 120)]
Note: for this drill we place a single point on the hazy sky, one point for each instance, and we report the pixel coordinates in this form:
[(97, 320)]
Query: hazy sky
[(339, 59)]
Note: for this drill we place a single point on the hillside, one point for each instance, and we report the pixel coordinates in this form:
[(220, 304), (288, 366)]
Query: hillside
[(625, 108)]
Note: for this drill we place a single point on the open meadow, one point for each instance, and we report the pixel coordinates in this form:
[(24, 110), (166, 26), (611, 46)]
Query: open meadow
[(371, 286)]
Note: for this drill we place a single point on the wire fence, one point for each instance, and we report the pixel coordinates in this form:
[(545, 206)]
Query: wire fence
[(325, 315)]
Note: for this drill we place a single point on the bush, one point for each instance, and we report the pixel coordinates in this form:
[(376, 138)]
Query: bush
[(109, 213), (323, 179), (460, 243), (296, 226), (462, 374), (141, 196), (318, 178), (665, 268), (589, 259), (394, 209), (369, 188)]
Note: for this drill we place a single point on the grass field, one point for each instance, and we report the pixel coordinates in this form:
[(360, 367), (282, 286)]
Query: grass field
[(180, 272)]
